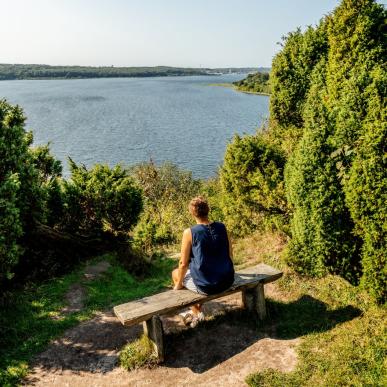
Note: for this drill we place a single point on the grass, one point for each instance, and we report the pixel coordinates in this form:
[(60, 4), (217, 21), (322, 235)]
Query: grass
[(343, 334), (32, 317), (344, 337), (139, 353)]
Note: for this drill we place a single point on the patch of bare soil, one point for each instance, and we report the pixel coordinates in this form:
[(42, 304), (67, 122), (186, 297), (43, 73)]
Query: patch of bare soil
[(76, 293), (74, 299), (220, 352), (94, 271)]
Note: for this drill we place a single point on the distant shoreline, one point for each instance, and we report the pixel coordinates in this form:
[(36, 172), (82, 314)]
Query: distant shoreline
[(9, 72), (231, 86)]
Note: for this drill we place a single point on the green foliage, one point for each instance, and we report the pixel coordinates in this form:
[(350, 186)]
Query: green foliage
[(254, 83), (343, 340), (21, 196), (10, 226), (321, 226), (252, 182), (100, 199), (137, 354), (336, 173), (167, 191), (290, 74), (366, 189), (49, 177), (30, 318)]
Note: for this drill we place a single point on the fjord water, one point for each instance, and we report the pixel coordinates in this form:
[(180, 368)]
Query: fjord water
[(128, 120)]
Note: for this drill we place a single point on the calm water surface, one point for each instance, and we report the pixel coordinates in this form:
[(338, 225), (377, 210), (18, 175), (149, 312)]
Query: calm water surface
[(128, 120)]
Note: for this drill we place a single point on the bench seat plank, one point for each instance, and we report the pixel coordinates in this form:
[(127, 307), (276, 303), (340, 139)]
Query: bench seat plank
[(171, 301)]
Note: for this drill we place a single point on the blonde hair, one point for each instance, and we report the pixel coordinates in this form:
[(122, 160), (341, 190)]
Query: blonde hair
[(198, 207)]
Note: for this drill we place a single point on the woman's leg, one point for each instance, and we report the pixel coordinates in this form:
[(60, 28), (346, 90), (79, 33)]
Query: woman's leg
[(196, 308)]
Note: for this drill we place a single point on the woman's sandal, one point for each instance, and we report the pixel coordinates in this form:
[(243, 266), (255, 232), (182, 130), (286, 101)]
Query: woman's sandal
[(187, 317), (197, 319)]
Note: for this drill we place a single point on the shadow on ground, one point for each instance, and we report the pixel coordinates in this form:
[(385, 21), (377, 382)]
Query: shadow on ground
[(94, 346), (228, 334)]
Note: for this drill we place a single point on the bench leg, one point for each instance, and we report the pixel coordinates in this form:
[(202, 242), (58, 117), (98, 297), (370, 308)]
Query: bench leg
[(153, 328), (254, 300)]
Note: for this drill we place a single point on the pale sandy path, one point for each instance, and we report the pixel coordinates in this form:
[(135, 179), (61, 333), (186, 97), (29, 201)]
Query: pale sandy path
[(220, 354)]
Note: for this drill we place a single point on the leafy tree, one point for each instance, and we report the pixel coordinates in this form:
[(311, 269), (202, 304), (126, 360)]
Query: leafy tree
[(167, 191), (256, 83), (252, 182)]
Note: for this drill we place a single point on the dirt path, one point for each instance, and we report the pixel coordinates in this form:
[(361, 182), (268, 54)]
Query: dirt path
[(221, 352)]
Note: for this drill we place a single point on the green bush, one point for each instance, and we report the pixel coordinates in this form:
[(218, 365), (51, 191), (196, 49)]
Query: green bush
[(49, 176), (21, 196), (99, 200), (10, 226), (321, 226), (336, 176), (167, 191), (366, 189), (252, 183)]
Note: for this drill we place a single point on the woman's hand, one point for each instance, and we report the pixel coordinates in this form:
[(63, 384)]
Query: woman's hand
[(178, 287)]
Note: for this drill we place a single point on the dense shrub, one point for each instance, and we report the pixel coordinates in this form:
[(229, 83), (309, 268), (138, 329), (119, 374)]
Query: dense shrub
[(321, 226), (49, 176), (21, 196), (252, 182), (336, 177), (167, 191), (100, 199), (366, 189), (44, 218)]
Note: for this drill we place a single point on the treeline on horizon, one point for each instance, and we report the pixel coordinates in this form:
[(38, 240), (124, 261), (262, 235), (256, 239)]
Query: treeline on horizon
[(316, 172), (38, 71), (258, 82)]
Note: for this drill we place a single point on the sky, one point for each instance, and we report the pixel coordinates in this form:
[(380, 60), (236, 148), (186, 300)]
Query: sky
[(200, 33)]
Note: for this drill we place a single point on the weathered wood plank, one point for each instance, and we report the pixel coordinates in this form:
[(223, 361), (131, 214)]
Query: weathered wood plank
[(260, 304), (153, 328), (170, 301), (254, 300)]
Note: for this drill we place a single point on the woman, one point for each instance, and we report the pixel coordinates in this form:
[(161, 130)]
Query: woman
[(205, 264)]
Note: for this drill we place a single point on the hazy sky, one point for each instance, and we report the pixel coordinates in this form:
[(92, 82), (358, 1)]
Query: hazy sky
[(208, 33)]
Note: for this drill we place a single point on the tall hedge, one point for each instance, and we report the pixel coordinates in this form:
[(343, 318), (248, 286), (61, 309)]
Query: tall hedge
[(290, 82), (336, 177), (321, 225), (366, 189)]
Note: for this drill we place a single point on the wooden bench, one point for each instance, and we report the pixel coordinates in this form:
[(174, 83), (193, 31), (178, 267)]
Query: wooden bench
[(148, 310)]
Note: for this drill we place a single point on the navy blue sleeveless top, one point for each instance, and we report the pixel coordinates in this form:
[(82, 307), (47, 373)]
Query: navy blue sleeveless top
[(211, 267)]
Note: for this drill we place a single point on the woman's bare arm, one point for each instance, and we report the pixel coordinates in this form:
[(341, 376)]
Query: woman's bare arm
[(185, 255)]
